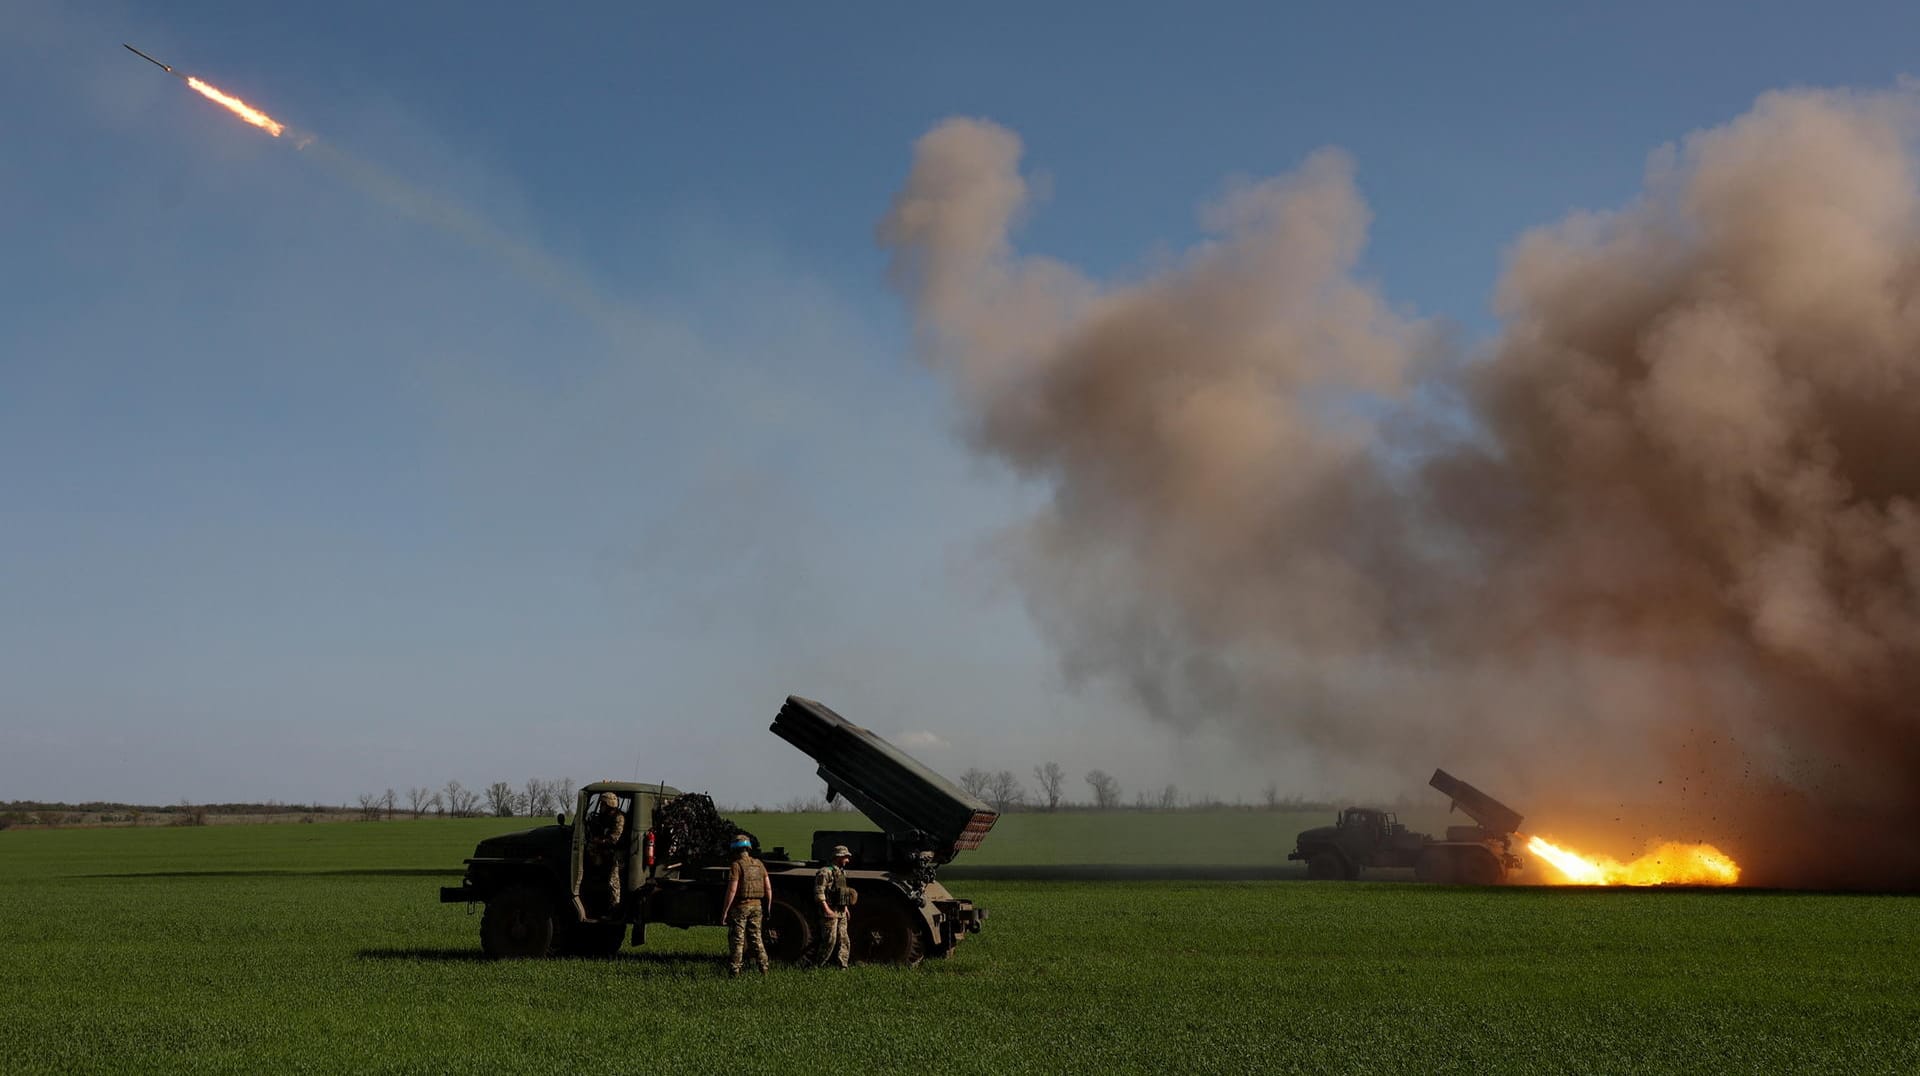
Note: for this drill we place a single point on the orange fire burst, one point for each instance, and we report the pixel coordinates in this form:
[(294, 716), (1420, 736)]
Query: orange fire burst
[(1670, 864), (238, 107)]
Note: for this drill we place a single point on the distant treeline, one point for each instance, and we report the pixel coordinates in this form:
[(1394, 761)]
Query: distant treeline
[(104, 813), (102, 807), (1051, 791)]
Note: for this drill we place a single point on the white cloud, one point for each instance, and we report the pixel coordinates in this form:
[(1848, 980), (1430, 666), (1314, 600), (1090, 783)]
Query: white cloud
[(921, 740)]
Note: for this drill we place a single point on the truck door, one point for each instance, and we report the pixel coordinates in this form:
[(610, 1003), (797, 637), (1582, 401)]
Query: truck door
[(579, 858), (595, 902)]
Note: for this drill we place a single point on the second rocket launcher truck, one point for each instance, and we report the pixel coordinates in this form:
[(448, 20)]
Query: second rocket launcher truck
[(1363, 837)]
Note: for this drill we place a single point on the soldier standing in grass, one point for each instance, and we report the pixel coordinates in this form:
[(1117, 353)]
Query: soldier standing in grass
[(746, 915), (835, 896), (604, 831)]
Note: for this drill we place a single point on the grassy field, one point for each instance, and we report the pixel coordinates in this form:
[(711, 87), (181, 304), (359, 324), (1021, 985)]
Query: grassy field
[(322, 948)]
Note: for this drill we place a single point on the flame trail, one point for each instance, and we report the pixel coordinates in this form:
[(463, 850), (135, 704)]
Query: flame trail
[(238, 107), (1670, 864), (536, 264)]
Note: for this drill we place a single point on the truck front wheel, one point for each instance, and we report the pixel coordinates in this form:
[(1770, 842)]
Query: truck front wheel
[(1326, 866), (518, 924)]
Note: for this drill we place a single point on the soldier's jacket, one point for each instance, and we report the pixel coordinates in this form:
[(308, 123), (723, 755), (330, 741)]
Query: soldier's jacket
[(830, 884), (604, 831), (749, 879)]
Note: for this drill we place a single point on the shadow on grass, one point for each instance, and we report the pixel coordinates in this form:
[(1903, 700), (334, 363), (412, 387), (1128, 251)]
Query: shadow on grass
[(664, 961), (294, 872), (442, 956), (1123, 872), (1231, 872)]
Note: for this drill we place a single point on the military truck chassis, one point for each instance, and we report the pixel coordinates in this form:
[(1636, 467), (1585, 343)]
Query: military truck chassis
[(541, 896), (528, 916)]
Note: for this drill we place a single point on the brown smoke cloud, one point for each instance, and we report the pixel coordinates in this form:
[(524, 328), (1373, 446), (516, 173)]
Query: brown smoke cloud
[(1654, 549)]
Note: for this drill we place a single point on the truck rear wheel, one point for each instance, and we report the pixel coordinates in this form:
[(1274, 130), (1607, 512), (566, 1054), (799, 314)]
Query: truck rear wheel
[(1326, 866), (518, 924), (788, 932), (1477, 866), (885, 933), (1434, 865)]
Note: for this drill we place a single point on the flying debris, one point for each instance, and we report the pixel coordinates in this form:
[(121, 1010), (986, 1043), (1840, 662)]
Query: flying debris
[(150, 60)]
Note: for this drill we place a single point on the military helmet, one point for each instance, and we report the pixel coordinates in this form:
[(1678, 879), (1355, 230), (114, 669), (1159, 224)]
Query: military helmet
[(609, 801), (741, 842)]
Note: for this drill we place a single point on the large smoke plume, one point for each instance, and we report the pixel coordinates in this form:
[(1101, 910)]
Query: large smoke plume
[(1656, 545)]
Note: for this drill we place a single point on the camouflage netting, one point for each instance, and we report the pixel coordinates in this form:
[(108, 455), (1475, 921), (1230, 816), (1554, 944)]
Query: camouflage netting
[(689, 829)]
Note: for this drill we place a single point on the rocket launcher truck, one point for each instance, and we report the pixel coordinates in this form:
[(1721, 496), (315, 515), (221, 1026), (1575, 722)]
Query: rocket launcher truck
[(1363, 837), (541, 899)]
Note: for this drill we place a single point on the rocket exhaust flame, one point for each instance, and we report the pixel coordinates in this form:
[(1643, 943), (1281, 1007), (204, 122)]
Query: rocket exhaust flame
[(1670, 864), (225, 100), (238, 107)]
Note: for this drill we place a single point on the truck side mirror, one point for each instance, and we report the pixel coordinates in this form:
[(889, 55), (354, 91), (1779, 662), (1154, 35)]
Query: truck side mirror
[(561, 818)]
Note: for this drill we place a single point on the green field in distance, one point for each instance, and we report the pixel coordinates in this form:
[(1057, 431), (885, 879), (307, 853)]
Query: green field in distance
[(323, 948)]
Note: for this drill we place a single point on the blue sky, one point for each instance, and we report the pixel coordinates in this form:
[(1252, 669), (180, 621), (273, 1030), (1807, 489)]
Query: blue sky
[(306, 493)]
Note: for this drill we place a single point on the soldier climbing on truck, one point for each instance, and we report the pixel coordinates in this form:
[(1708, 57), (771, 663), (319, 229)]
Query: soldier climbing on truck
[(606, 829)]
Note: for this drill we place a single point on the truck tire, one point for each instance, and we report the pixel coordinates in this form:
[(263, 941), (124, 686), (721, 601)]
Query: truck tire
[(593, 939), (1434, 865), (1477, 866), (884, 931), (1326, 866), (788, 932), (518, 925)]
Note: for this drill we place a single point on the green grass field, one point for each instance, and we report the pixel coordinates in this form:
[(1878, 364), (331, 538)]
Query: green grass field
[(322, 948)]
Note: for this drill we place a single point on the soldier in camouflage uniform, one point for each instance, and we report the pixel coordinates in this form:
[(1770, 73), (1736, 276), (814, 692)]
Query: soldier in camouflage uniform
[(835, 897), (604, 831), (749, 893)]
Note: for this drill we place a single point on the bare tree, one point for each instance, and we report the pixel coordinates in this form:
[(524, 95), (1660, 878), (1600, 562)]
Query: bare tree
[(1106, 790), (1004, 791), (437, 804), (387, 803), (417, 799), (1050, 778), (1270, 795), (1169, 798), (975, 782), (566, 792), (369, 807), (537, 798), (500, 799), (461, 803)]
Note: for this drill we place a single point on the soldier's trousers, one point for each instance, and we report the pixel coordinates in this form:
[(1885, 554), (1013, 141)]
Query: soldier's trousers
[(611, 873), (836, 945), (744, 925)]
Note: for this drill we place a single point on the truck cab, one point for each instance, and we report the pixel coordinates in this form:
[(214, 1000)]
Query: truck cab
[(1360, 837)]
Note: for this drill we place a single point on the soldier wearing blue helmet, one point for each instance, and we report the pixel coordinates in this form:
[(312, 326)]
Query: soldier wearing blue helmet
[(745, 909)]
